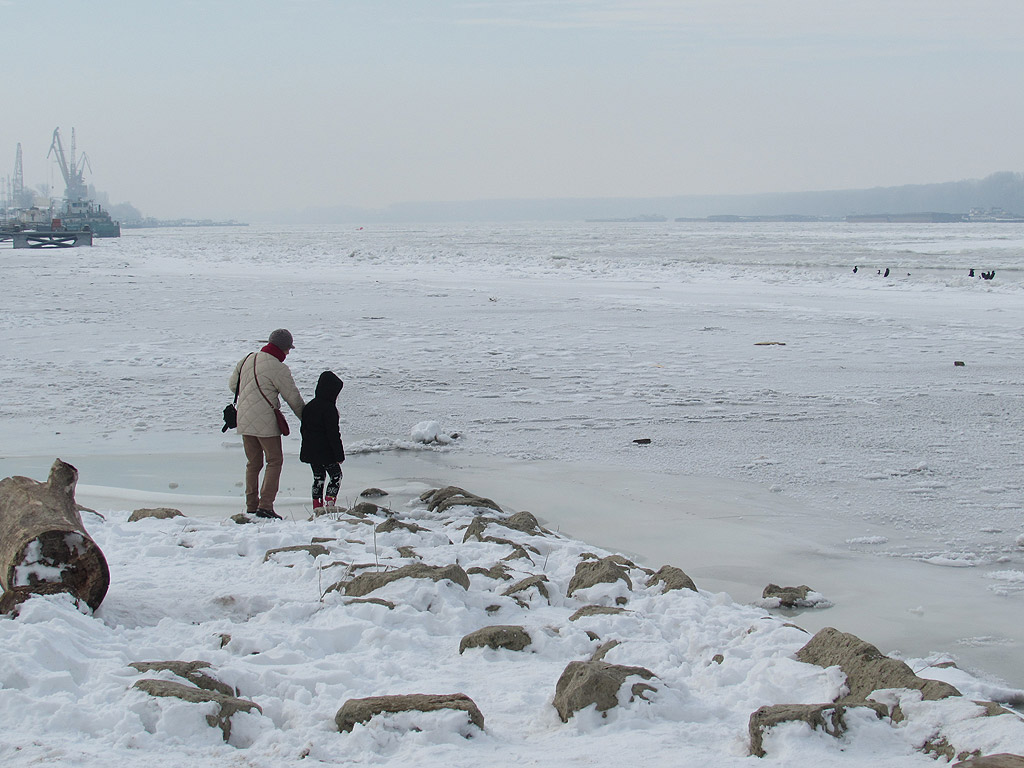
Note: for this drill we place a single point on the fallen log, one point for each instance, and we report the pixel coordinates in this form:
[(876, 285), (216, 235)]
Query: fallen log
[(44, 547)]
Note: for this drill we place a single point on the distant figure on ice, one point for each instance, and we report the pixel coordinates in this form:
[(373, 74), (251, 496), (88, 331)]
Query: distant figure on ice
[(886, 272), (971, 273), (988, 275), (321, 447), (855, 270), (259, 380)]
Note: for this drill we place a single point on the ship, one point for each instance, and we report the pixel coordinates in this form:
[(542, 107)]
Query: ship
[(89, 216)]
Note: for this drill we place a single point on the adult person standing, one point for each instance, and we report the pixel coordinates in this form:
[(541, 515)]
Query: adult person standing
[(261, 379)]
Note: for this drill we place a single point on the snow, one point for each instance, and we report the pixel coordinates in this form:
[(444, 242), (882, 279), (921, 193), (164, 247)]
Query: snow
[(853, 457)]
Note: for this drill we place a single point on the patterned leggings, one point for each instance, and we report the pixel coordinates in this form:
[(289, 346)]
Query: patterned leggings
[(319, 473)]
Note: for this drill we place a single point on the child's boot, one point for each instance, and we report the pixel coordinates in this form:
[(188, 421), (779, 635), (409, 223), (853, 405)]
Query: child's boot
[(329, 501), (318, 503)]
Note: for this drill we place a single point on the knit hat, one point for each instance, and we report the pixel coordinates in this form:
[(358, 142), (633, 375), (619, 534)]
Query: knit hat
[(282, 339)]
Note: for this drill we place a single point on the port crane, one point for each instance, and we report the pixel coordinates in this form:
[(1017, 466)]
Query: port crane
[(74, 171)]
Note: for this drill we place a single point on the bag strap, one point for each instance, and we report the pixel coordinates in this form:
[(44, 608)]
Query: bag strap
[(256, 379), (238, 384)]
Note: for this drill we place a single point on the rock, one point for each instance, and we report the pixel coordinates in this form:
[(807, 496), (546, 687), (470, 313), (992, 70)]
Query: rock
[(371, 600), (496, 571), (227, 705), (517, 553), (1001, 760), (595, 610), (530, 581), (242, 519), (363, 508), (788, 597), (408, 552), (803, 596), (189, 670), (511, 638), (672, 578), (601, 652), (590, 573), (365, 583), (866, 668), (594, 682), (393, 524), (475, 530), (443, 499), (356, 711), (826, 717), (314, 550), (159, 513), (373, 493), (523, 521)]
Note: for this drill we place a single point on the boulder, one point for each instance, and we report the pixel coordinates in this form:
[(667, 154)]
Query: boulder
[(227, 705), (672, 578), (525, 522), (595, 610), (362, 509), (443, 499), (475, 530), (866, 668), (159, 513), (826, 717), (365, 583), (592, 572), (44, 547), (511, 638), (394, 524), (313, 550), (1001, 760), (793, 597), (595, 682), (496, 571), (356, 711), (530, 581), (189, 670), (603, 650), (373, 493)]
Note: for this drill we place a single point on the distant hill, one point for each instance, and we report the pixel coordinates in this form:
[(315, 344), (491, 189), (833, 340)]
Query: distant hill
[(1003, 190)]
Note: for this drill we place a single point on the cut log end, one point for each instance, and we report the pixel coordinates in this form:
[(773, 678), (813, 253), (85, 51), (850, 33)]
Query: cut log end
[(58, 561)]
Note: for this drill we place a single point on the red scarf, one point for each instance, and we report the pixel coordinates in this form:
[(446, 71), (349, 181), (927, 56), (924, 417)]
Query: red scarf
[(273, 349)]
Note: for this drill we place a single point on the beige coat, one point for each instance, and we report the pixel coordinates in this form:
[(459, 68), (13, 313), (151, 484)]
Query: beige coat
[(255, 415)]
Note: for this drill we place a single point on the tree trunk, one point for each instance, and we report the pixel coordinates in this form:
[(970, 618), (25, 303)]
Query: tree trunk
[(44, 547)]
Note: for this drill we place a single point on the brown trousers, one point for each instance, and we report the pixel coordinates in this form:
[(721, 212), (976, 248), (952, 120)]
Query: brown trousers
[(256, 449)]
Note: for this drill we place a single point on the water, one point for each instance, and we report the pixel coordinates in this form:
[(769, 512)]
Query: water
[(749, 355)]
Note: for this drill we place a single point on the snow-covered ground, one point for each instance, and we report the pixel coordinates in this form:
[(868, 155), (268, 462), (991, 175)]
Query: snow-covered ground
[(807, 424)]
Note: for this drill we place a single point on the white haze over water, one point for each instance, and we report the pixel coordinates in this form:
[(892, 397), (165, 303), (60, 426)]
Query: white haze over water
[(807, 423)]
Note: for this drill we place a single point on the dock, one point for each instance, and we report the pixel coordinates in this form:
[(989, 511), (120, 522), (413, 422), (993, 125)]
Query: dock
[(54, 239)]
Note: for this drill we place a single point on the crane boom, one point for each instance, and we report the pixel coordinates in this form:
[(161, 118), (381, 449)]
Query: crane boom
[(72, 172)]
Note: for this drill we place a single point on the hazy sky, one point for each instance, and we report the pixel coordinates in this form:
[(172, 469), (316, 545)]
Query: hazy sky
[(227, 107)]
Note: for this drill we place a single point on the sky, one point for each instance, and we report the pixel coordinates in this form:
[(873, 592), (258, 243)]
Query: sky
[(225, 108)]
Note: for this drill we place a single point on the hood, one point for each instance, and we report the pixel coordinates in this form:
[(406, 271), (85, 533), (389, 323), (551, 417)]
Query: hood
[(328, 387)]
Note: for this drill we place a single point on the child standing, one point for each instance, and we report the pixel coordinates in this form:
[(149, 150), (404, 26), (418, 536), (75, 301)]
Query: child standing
[(321, 439)]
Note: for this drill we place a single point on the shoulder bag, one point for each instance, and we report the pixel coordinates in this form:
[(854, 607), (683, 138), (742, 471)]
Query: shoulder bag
[(230, 411)]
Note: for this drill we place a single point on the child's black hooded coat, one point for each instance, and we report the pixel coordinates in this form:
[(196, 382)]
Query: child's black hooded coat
[(321, 433)]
